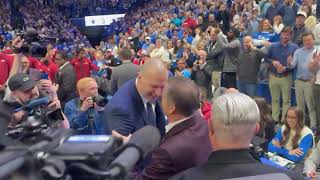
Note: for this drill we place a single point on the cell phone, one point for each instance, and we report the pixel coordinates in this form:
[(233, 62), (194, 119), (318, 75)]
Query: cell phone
[(44, 76)]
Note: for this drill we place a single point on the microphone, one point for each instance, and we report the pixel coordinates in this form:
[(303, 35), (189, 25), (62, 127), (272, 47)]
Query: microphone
[(34, 104), (139, 146)]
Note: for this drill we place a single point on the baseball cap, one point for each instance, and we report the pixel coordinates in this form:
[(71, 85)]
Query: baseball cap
[(147, 38), (21, 81), (302, 13), (109, 50)]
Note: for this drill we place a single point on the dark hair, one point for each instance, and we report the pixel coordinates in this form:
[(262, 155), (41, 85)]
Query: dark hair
[(184, 94), (308, 33), (286, 29), (300, 124), (265, 111), (79, 50), (125, 54), (63, 54)]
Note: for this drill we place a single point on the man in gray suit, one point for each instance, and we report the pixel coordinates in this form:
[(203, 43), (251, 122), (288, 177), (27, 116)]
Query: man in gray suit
[(126, 71), (65, 78)]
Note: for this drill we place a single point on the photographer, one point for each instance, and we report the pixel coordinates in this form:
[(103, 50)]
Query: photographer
[(24, 90), (201, 73), (83, 110)]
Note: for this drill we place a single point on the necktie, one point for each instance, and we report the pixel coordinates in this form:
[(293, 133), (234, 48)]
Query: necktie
[(151, 117)]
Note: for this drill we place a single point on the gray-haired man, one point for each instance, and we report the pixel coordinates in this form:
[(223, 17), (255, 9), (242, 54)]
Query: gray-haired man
[(234, 121)]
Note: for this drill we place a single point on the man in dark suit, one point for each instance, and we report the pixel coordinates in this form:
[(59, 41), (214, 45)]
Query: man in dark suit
[(186, 142), (124, 72), (201, 73), (65, 78), (136, 103), (234, 121)]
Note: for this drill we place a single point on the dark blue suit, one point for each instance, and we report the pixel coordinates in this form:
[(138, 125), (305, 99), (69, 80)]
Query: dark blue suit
[(126, 113)]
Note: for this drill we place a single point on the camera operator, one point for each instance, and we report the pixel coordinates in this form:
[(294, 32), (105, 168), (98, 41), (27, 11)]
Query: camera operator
[(85, 109), (24, 90)]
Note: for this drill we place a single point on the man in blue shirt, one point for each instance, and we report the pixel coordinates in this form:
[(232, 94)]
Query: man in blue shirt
[(80, 110), (304, 82), (182, 71), (280, 79)]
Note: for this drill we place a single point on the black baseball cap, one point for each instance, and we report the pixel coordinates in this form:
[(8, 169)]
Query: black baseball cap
[(21, 81)]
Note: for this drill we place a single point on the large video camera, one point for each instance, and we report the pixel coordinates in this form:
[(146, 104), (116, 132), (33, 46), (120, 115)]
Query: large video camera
[(36, 123), (34, 44), (66, 156)]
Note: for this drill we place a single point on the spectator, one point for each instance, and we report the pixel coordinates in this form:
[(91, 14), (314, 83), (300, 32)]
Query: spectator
[(248, 67), (299, 28), (180, 102), (231, 51), (304, 82), (205, 105), (280, 78), (215, 57), (82, 65), (277, 24), (124, 72), (275, 9), (65, 78), (189, 22), (201, 73), (182, 70), (290, 11), (293, 140), (314, 66), (234, 121), (84, 115), (267, 124), (136, 103)]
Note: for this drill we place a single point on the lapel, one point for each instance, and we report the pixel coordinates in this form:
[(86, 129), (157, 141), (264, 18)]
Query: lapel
[(138, 101), (179, 127)]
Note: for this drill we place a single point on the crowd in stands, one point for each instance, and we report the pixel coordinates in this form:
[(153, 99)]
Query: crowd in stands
[(220, 45)]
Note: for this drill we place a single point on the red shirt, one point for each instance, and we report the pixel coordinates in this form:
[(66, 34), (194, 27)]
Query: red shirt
[(189, 23), (83, 67), (51, 68), (6, 61)]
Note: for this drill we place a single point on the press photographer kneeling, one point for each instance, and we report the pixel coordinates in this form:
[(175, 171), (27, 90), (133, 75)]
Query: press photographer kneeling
[(25, 110), (85, 113)]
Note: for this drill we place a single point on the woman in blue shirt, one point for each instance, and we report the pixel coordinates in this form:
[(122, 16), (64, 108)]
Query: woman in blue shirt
[(293, 140), (265, 33)]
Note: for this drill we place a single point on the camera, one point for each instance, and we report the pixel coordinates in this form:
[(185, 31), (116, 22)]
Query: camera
[(100, 100)]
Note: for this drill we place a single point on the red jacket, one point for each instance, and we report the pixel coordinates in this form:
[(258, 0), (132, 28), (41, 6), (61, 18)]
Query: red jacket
[(6, 61), (51, 68), (206, 110), (189, 23), (83, 67)]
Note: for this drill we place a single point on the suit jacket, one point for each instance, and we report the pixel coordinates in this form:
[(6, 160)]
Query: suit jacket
[(215, 56), (202, 77), (126, 112), (226, 164), (185, 145), (122, 74), (66, 78)]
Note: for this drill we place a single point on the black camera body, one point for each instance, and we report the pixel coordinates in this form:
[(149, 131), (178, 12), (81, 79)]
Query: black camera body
[(100, 100)]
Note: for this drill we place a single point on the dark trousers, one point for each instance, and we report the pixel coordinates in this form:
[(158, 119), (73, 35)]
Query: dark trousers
[(229, 80), (318, 9)]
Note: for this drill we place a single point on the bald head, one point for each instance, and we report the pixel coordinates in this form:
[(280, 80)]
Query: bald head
[(153, 66), (152, 78), (247, 42)]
